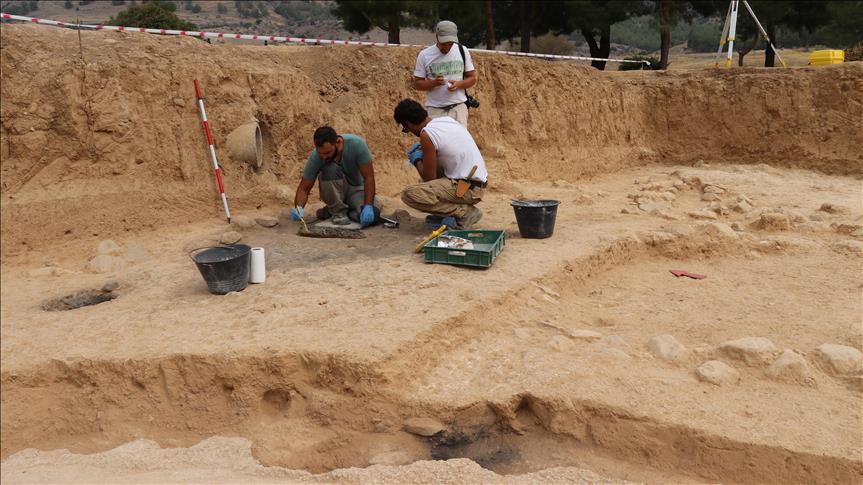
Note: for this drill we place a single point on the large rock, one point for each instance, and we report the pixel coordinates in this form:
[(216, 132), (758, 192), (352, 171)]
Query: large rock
[(754, 351), (667, 348), (230, 237), (839, 359), (717, 373), (108, 247), (721, 231), (242, 222), (267, 221), (790, 367), (423, 426), (773, 221)]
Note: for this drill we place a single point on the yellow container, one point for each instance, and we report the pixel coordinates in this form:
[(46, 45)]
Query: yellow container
[(826, 57)]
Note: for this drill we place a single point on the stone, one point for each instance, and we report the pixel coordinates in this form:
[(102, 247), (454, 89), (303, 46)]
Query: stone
[(391, 458), (630, 210), (401, 215), (741, 206), (651, 207), (717, 373), (703, 214), (849, 246), (813, 226), (737, 227), (108, 247), (847, 229), (753, 351), (423, 426), (179, 102), (709, 197), (588, 335), (667, 348), (522, 333), (713, 189), (667, 196), (721, 231), (839, 359), (773, 221), (789, 367), (243, 222), (559, 343), (110, 285), (642, 180), (817, 217), (230, 237), (105, 263), (831, 208), (136, 253), (679, 184), (267, 221)]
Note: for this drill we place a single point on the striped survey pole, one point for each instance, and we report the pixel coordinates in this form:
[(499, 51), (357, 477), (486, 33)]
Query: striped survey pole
[(218, 170)]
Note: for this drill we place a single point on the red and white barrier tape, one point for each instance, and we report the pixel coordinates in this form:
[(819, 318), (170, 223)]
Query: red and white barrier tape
[(280, 38)]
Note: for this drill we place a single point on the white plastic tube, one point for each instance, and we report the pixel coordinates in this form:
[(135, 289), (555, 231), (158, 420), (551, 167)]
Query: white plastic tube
[(258, 273)]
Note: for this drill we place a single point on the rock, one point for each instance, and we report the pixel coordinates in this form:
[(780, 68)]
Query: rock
[(667, 196), (400, 215), (105, 263), (717, 373), (243, 222), (642, 180), (179, 102), (817, 217), (667, 348), (610, 353), (108, 247), (679, 184), (391, 458), (230, 237), (741, 206), (423, 426), (267, 221), (720, 231), (110, 285), (754, 351), (743, 198), (522, 333), (651, 207), (849, 246), (702, 214), (736, 226), (813, 226), (630, 210), (839, 359), (709, 197), (136, 253), (559, 343), (588, 335), (713, 189), (614, 341), (789, 367), (773, 221), (833, 208), (847, 229)]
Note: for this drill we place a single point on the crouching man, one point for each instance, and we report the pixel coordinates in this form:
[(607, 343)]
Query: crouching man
[(445, 155), (346, 179)]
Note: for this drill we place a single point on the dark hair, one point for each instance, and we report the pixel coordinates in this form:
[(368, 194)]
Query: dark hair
[(409, 111), (325, 134)]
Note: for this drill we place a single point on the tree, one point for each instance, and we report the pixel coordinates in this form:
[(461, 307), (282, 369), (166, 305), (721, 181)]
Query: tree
[(796, 15), (845, 28), (68, 5), (361, 16), (489, 25), (153, 14), (221, 8), (669, 12)]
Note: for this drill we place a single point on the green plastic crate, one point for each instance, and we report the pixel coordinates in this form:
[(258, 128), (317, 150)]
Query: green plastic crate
[(487, 246)]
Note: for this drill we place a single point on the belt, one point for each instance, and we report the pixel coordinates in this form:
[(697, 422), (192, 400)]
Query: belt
[(447, 108), (476, 183)]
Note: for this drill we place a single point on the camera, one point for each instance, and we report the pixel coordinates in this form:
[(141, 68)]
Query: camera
[(471, 102)]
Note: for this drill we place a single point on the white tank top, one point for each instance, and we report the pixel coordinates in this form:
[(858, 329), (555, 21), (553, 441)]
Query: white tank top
[(457, 153)]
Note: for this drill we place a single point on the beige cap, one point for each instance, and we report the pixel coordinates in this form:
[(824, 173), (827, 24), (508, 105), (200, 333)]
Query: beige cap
[(446, 31)]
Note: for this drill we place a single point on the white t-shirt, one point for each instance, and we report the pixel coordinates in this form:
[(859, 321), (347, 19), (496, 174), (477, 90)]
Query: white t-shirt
[(431, 63), (457, 153)]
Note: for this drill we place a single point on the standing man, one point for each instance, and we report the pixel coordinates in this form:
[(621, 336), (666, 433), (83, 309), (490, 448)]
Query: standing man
[(449, 155), (445, 74), (343, 167)]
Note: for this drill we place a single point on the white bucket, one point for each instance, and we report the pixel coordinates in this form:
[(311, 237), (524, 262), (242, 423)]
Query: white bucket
[(258, 271)]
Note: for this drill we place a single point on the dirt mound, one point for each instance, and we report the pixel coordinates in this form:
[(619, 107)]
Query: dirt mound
[(104, 137)]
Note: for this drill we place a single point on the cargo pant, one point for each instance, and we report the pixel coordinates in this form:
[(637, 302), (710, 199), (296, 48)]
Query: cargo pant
[(437, 197), (339, 196), (457, 112)]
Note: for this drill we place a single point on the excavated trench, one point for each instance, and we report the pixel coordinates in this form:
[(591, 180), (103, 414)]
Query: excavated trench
[(321, 412)]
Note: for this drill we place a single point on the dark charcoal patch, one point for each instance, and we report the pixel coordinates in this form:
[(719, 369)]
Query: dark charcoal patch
[(77, 300)]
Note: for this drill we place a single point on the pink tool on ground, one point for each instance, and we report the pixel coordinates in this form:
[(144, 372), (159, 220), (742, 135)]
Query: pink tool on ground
[(680, 272), (218, 170)]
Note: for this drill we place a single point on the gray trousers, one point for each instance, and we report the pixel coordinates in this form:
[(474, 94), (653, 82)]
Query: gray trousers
[(339, 196)]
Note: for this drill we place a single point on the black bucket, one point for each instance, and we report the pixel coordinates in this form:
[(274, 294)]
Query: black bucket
[(535, 217), (224, 268)]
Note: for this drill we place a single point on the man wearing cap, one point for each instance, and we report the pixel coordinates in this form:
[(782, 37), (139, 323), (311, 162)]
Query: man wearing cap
[(441, 70)]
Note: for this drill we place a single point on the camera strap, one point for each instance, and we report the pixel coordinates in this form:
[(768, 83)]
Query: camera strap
[(463, 66)]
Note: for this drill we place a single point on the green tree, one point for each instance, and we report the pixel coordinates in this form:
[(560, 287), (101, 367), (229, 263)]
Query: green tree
[(669, 12), (845, 27), (361, 16), (152, 14), (796, 15)]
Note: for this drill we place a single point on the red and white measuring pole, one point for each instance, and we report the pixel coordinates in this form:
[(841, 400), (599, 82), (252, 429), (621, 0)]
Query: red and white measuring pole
[(218, 170)]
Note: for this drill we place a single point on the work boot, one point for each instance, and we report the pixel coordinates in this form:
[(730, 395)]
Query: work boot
[(341, 219), (472, 217), (323, 213)]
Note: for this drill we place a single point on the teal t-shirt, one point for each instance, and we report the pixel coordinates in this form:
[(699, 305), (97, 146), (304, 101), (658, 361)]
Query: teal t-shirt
[(355, 153)]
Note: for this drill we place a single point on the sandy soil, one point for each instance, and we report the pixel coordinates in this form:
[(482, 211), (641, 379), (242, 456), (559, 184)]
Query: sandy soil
[(330, 363)]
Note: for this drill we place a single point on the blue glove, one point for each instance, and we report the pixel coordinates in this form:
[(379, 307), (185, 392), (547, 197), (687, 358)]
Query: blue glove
[(415, 154), (367, 216), (295, 216)]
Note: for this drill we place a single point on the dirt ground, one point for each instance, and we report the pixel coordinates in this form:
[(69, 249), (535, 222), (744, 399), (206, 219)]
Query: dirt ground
[(356, 362)]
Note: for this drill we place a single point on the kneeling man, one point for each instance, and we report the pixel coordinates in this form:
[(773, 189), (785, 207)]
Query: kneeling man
[(445, 156)]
